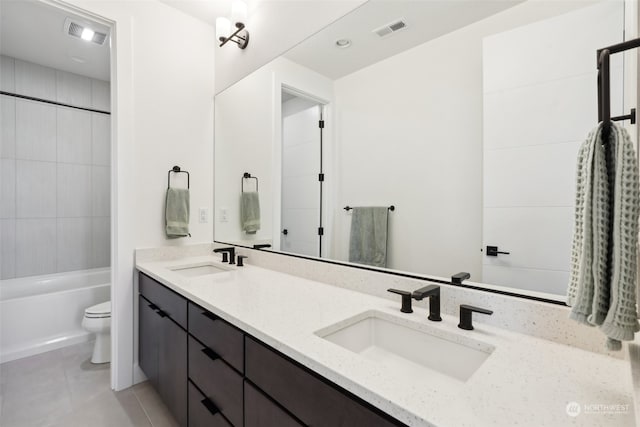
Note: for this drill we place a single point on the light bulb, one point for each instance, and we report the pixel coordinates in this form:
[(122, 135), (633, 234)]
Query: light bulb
[(239, 12), (87, 34), (223, 28)]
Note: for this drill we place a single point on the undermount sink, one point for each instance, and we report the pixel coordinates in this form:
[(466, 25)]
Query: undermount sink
[(407, 348), (202, 269)]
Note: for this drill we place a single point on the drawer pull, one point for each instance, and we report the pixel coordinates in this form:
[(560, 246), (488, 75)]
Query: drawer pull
[(210, 353), (153, 306), (211, 407), (211, 316), (161, 313)]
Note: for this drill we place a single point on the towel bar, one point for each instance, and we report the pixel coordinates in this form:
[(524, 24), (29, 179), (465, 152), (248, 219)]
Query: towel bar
[(391, 208)]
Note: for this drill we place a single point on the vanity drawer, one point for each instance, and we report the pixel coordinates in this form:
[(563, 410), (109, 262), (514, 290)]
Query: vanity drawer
[(311, 399), (260, 411), (217, 380), (221, 337), (202, 413), (174, 305)]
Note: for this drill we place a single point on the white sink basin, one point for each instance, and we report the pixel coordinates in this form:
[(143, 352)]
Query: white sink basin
[(407, 348), (202, 269)]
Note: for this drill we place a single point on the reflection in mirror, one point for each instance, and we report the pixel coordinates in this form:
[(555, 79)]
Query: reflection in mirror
[(466, 116)]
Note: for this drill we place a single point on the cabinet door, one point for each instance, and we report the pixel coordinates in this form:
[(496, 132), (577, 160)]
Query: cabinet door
[(172, 369), (259, 411), (149, 328)]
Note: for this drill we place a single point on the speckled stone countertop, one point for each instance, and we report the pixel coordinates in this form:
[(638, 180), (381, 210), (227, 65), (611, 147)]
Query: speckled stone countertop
[(525, 381)]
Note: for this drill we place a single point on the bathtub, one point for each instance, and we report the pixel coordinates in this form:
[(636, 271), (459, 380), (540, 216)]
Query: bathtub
[(42, 313)]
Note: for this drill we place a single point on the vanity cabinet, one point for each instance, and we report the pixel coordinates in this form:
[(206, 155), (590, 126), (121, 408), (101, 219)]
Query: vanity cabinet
[(163, 344), (210, 373)]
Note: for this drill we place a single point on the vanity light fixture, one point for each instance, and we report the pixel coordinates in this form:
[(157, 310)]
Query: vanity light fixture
[(240, 35), (343, 43)]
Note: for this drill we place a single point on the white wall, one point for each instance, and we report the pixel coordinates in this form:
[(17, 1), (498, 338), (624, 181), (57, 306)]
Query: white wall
[(256, 147), (276, 26), (162, 98), (530, 148), (385, 156), (54, 160)]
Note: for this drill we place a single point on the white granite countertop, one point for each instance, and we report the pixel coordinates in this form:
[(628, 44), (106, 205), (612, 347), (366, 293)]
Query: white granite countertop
[(525, 381)]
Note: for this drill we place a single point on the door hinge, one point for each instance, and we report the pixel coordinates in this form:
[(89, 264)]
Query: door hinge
[(321, 124), (320, 231), (321, 177)]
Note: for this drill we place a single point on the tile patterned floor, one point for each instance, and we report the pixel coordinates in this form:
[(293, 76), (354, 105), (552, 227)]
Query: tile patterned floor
[(62, 388)]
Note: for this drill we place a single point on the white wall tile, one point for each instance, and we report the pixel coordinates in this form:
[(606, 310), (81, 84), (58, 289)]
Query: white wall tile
[(7, 74), (100, 139), (8, 127), (537, 238), (7, 248), (35, 80), (35, 131), (74, 191), (539, 175), (531, 53), (101, 240), (8, 188), (100, 192), (74, 136), (74, 244), (73, 89), (100, 95), (35, 247), (35, 189)]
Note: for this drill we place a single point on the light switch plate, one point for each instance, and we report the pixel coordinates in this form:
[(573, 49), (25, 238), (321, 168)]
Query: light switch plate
[(204, 215)]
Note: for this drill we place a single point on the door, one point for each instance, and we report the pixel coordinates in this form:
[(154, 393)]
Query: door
[(301, 208), (536, 115)]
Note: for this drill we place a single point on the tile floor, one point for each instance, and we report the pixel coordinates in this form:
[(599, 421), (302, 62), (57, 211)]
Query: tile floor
[(62, 388)]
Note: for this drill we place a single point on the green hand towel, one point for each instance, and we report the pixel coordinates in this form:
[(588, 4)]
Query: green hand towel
[(250, 212), (368, 237), (177, 212)]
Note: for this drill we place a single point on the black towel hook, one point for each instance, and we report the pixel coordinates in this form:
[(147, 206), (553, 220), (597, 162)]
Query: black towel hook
[(247, 175), (176, 169)]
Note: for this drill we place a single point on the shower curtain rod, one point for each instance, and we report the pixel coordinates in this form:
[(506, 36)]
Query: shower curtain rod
[(46, 101)]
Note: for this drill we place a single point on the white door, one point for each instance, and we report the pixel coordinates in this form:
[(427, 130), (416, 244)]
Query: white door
[(540, 102), (301, 156)]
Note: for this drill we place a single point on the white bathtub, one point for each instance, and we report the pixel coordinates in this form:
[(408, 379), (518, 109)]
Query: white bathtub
[(42, 313)]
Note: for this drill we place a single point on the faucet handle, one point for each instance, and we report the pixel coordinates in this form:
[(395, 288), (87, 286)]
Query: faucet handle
[(406, 299), (241, 259), (457, 279), (465, 315)]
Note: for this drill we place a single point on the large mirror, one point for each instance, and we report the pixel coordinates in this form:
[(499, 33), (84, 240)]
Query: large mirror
[(465, 116)]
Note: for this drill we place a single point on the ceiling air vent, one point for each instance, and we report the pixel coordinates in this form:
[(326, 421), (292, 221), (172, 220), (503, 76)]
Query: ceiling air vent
[(74, 29), (391, 28)]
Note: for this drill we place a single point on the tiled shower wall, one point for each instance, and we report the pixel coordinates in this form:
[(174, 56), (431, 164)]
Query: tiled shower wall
[(55, 180)]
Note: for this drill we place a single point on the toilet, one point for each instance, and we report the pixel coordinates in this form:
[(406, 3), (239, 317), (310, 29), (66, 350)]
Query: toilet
[(97, 319)]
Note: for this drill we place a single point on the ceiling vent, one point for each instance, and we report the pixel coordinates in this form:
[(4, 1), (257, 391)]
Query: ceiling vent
[(74, 29), (391, 28)]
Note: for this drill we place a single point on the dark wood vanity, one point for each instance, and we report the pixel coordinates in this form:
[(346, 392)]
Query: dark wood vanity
[(210, 373)]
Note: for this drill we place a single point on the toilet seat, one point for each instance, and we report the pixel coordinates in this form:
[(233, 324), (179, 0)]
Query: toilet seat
[(98, 311)]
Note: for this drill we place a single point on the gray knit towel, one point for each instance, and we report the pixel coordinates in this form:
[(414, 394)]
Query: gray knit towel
[(602, 287), (250, 212)]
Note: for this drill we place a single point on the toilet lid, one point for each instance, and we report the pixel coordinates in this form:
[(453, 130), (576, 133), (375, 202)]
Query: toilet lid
[(99, 309)]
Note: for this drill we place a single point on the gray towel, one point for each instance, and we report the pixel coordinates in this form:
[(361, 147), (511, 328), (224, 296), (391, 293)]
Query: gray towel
[(250, 212), (368, 238), (603, 263), (177, 212)]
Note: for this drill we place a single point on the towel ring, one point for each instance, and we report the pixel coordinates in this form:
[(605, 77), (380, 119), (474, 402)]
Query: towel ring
[(247, 175), (176, 169)]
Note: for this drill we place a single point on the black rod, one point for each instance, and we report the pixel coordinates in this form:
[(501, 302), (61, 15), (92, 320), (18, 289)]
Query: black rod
[(621, 47), (604, 92), (391, 208), (46, 101)]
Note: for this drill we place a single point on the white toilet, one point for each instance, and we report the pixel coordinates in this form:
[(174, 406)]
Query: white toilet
[(97, 319)]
